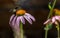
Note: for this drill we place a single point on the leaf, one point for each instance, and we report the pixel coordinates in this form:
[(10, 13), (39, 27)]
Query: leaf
[(48, 27), (49, 5)]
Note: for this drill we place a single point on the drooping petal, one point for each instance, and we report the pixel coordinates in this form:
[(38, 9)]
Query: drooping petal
[(14, 20), (11, 18), (18, 21), (30, 16), (16, 31), (17, 34), (28, 19), (22, 19), (57, 18), (53, 19), (16, 28), (47, 21)]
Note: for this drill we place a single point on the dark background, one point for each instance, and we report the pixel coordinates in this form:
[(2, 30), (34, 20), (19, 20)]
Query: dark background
[(38, 8)]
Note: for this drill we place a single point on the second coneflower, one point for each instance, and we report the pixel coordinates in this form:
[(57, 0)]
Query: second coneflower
[(54, 20), (16, 21)]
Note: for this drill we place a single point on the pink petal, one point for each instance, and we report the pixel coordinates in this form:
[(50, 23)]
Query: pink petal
[(18, 21), (16, 26), (13, 22), (47, 21), (57, 18), (28, 19), (30, 16), (11, 18), (22, 19), (53, 19), (17, 34)]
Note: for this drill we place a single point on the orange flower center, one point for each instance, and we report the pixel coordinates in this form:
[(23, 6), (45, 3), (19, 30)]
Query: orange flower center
[(57, 11), (20, 12)]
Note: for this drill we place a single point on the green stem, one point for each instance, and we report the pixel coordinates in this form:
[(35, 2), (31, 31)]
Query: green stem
[(50, 13), (21, 29), (46, 32), (58, 29)]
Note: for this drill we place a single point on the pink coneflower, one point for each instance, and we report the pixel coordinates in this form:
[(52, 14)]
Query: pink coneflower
[(17, 19), (53, 20)]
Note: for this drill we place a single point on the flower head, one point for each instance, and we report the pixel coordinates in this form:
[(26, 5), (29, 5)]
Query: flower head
[(20, 16), (53, 20)]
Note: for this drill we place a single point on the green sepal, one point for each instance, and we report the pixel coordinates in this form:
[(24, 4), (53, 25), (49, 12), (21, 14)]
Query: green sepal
[(48, 27)]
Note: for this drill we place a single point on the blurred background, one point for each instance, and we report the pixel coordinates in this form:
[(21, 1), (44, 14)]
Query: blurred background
[(37, 8)]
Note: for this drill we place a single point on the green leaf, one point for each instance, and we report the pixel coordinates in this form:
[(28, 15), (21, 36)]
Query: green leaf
[(49, 26), (49, 5)]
